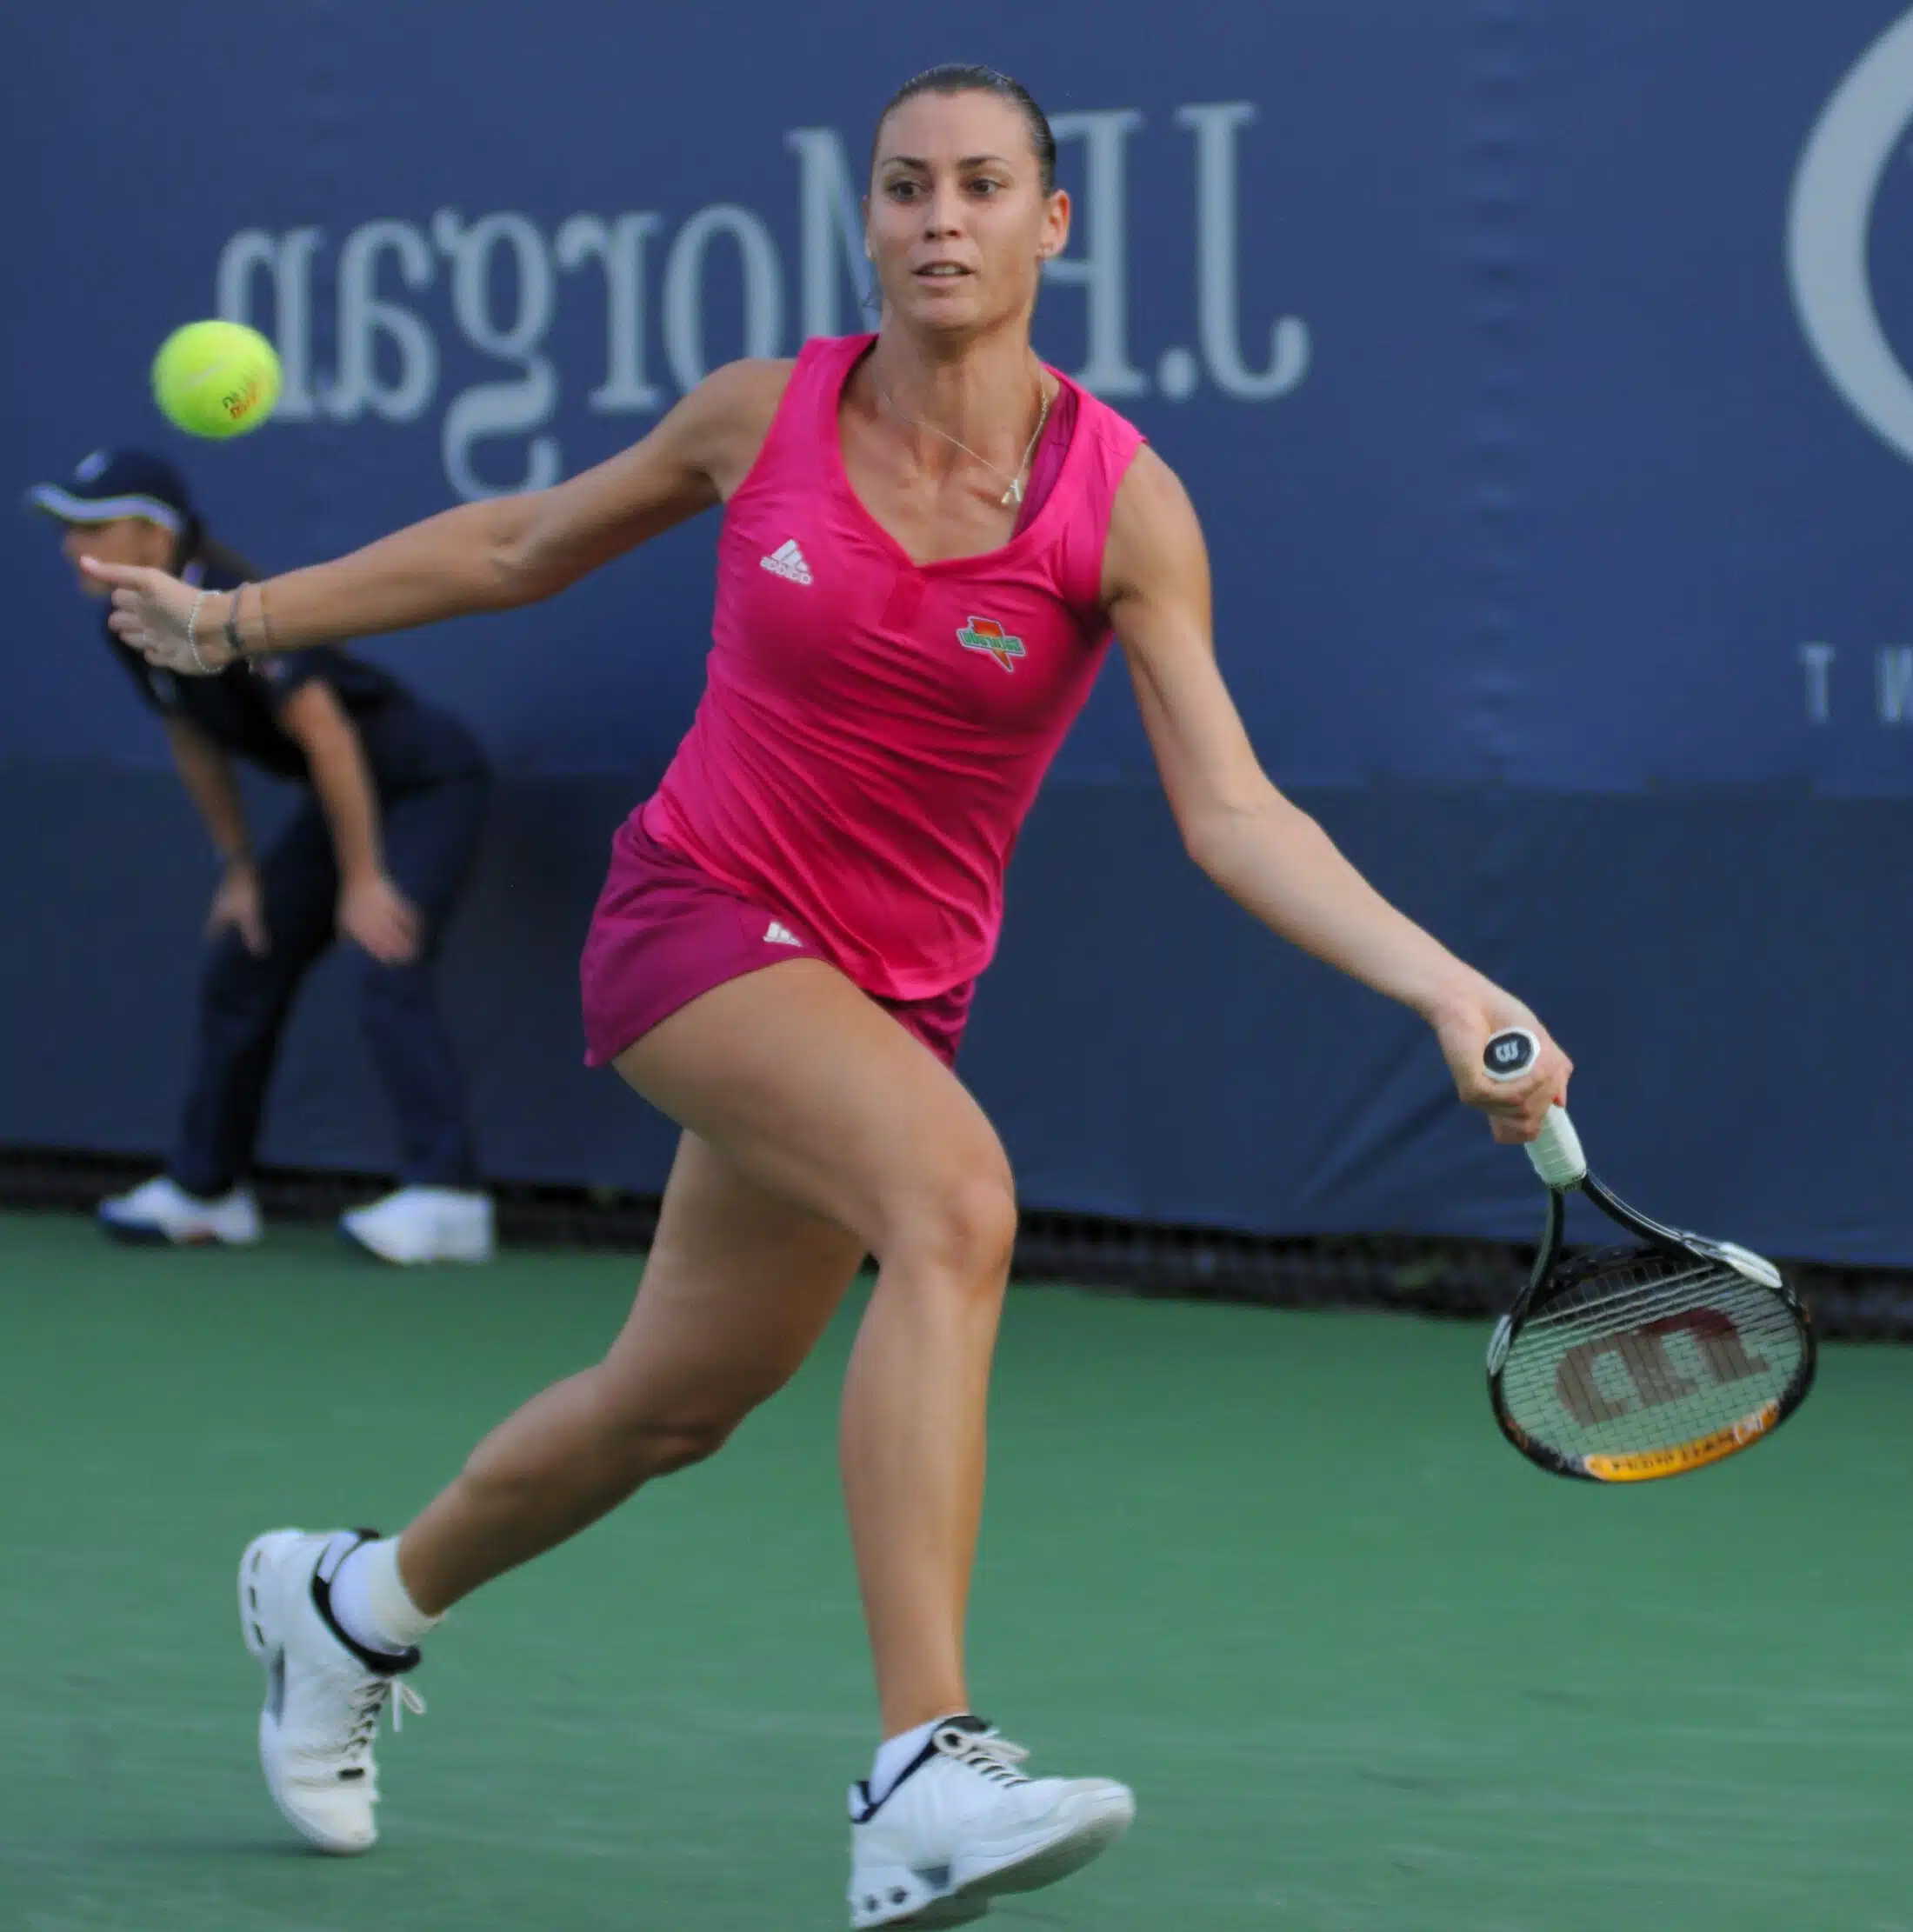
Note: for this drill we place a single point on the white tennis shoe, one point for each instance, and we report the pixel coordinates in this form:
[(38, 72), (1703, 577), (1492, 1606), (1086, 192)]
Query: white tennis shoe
[(963, 1825), (323, 1693), (418, 1224), (160, 1210)]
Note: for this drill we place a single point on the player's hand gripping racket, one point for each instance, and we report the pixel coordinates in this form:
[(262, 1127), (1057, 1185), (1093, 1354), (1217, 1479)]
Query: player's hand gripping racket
[(1644, 1360)]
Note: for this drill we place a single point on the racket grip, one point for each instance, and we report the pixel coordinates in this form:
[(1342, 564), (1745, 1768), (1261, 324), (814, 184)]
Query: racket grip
[(1556, 1151)]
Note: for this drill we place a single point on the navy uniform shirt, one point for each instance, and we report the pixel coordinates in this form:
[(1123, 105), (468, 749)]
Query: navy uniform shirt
[(407, 744)]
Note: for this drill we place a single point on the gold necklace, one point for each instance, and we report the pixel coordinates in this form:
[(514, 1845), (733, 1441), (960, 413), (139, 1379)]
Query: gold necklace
[(1014, 494)]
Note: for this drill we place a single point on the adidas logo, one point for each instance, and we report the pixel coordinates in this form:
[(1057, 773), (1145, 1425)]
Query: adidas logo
[(778, 933), (786, 561)]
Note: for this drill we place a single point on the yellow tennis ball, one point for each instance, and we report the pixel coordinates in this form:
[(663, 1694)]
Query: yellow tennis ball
[(215, 378)]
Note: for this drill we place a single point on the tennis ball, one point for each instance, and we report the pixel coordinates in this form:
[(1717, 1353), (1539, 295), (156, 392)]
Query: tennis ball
[(215, 378)]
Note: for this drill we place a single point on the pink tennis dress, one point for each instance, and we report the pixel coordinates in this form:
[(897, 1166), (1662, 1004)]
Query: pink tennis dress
[(871, 735)]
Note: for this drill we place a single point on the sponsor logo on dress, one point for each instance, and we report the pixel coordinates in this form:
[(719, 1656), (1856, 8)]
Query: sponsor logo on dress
[(985, 634), (786, 561)]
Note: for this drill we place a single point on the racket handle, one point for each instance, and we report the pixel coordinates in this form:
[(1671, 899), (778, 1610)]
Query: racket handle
[(1556, 1151)]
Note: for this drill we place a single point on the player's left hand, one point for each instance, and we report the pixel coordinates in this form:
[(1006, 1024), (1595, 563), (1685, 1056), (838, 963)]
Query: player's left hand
[(149, 613), (375, 913), (1515, 1109)]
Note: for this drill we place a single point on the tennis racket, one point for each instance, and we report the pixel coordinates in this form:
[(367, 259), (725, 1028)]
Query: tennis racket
[(1643, 1361)]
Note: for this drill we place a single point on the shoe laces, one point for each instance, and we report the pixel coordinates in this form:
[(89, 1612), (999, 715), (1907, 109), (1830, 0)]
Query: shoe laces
[(983, 1752), (369, 1700)]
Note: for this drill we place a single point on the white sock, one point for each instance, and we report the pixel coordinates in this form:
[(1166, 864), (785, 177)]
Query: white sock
[(371, 1603), (895, 1755)]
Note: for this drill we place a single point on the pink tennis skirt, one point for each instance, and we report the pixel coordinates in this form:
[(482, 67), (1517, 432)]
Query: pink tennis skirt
[(666, 931)]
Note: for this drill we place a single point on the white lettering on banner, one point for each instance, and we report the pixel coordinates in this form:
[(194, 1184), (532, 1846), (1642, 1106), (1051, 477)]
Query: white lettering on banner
[(1215, 253), (1892, 684), (505, 279), (364, 318), (1101, 267), (1817, 660), (685, 290), (500, 408), (288, 260), (1830, 234), (620, 246), (1829, 227), (1893, 675), (830, 229)]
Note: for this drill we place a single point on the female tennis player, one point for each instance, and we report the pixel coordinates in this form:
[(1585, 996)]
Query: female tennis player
[(927, 539)]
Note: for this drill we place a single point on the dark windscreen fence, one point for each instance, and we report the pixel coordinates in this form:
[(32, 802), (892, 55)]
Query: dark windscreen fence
[(1540, 372), (1433, 1276)]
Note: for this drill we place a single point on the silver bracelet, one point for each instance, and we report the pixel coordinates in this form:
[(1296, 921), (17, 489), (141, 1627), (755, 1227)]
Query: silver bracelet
[(192, 642)]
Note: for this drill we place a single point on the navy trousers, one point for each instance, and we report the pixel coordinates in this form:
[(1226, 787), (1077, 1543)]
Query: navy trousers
[(430, 834)]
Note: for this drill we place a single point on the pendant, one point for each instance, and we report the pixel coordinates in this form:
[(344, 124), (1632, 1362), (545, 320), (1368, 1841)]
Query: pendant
[(1013, 494)]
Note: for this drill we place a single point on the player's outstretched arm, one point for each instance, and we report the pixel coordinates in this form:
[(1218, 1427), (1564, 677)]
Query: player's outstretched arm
[(1268, 855), (490, 555)]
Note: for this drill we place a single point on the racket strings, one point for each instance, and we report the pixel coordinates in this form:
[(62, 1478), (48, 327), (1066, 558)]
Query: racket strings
[(1639, 1350)]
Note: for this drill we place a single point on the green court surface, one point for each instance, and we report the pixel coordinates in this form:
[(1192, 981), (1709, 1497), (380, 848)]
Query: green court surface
[(1367, 1670)]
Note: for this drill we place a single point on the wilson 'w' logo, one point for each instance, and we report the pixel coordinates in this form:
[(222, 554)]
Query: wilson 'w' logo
[(1714, 1349), (986, 634)]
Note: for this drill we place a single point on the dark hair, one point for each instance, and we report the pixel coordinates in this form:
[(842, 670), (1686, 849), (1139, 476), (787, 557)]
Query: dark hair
[(957, 77)]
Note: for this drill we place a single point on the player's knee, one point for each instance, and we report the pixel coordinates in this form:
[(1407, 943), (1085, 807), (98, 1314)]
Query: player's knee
[(964, 1229), (655, 1447)]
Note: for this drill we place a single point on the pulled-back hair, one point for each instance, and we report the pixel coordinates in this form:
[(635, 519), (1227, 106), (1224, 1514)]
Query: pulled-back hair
[(957, 77)]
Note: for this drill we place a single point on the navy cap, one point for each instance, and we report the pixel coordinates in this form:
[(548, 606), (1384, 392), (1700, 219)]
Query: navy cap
[(112, 484)]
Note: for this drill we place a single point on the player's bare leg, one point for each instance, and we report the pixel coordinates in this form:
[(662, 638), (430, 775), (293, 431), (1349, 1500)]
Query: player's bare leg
[(738, 1287), (813, 1091), (817, 1130)]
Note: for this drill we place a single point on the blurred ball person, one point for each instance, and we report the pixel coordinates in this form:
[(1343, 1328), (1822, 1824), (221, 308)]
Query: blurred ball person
[(375, 853)]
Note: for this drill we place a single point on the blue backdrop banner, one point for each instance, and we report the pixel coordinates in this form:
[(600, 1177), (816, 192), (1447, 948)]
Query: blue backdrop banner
[(1541, 375)]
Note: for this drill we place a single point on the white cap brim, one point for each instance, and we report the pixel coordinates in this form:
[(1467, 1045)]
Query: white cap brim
[(70, 509)]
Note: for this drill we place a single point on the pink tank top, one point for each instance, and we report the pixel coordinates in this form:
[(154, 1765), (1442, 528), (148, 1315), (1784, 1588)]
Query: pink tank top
[(873, 730)]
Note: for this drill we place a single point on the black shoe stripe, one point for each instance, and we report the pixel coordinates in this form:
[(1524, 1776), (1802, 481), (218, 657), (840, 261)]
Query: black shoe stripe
[(381, 1663), (968, 1721)]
